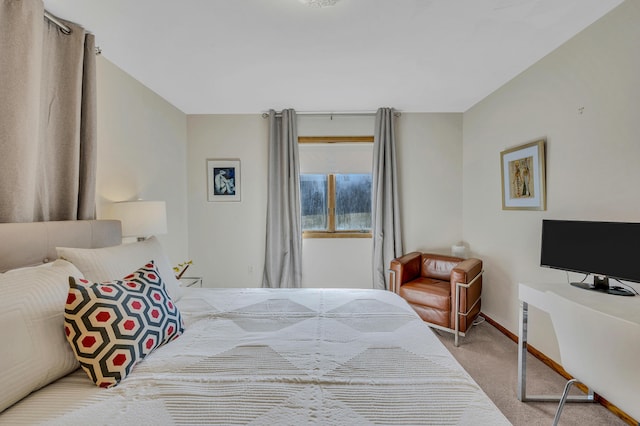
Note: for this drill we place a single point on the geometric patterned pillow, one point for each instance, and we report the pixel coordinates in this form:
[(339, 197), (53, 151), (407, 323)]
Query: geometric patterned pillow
[(113, 325)]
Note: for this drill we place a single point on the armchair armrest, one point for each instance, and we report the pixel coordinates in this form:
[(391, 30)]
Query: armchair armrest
[(465, 271), (404, 269), (466, 285)]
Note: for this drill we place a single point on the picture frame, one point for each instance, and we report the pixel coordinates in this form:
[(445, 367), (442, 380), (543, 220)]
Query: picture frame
[(523, 177), (223, 180)]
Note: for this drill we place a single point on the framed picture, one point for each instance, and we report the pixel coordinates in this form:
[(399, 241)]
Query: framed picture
[(523, 177), (223, 180)]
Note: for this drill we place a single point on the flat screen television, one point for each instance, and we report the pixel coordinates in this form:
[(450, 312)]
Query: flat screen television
[(602, 249)]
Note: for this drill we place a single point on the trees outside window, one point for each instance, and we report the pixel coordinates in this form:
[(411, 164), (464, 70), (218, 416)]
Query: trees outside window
[(336, 203)]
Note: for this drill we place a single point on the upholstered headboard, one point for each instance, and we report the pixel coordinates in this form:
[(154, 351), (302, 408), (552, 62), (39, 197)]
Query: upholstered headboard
[(28, 244)]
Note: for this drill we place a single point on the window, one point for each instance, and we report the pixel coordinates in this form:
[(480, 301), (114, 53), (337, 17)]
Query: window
[(314, 202), (336, 202), (335, 187), (353, 202)]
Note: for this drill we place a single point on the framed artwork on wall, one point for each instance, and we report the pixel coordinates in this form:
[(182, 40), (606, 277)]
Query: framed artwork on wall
[(223, 180), (523, 177)]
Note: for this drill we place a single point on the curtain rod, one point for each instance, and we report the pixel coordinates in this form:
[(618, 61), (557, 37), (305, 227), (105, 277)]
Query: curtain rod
[(332, 113), (64, 28)]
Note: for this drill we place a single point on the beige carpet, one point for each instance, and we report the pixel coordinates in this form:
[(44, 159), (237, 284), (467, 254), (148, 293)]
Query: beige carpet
[(491, 359)]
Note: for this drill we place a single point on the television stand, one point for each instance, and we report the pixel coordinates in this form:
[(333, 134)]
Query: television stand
[(616, 291), (601, 284)]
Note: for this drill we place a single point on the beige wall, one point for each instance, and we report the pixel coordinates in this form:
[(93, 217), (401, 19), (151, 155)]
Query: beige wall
[(142, 148), (430, 179), (226, 240), (592, 157)]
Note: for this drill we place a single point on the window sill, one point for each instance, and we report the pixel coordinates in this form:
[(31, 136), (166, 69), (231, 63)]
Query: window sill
[(343, 234)]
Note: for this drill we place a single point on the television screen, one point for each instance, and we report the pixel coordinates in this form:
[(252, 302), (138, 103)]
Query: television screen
[(609, 249)]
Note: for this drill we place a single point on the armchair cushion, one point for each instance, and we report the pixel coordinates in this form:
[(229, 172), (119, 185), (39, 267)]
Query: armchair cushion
[(438, 267), (428, 292)]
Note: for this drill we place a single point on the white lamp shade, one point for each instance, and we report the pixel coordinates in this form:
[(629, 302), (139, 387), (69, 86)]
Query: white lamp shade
[(141, 218), (459, 250)]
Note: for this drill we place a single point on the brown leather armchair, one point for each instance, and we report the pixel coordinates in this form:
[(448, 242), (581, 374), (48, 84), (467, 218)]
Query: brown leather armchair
[(437, 287)]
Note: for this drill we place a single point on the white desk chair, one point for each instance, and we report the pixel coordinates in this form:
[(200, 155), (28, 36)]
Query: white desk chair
[(592, 352)]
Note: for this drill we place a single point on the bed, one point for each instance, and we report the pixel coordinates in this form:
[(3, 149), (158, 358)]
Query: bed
[(246, 356)]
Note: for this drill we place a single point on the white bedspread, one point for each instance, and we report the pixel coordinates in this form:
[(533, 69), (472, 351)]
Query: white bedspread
[(280, 357)]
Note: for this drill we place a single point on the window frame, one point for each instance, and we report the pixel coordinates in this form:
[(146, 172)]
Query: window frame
[(331, 231)]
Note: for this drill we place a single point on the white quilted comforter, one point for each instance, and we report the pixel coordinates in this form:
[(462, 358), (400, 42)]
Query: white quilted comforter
[(280, 357)]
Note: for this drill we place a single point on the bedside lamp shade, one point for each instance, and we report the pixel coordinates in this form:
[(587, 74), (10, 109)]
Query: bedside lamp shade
[(141, 218)]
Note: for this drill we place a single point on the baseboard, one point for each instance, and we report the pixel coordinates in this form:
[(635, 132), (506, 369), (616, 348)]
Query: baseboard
[(561, 371)]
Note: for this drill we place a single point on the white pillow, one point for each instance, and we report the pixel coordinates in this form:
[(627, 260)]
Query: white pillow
[(113, 263), (33, 347)]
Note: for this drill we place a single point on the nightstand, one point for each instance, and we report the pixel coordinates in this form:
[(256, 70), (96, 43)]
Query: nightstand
[(191, 281)]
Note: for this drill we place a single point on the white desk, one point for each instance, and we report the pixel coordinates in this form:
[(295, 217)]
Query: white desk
[(602, 347)]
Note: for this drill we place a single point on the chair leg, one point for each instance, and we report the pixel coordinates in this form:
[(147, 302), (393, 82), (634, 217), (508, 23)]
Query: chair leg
[(565, 394)]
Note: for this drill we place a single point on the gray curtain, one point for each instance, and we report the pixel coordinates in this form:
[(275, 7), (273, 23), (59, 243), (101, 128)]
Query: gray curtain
[(385, 215), (283, 255), (47, 117)]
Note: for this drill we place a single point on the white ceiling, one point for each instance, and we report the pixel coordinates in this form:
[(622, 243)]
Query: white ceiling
[(246, 56)]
